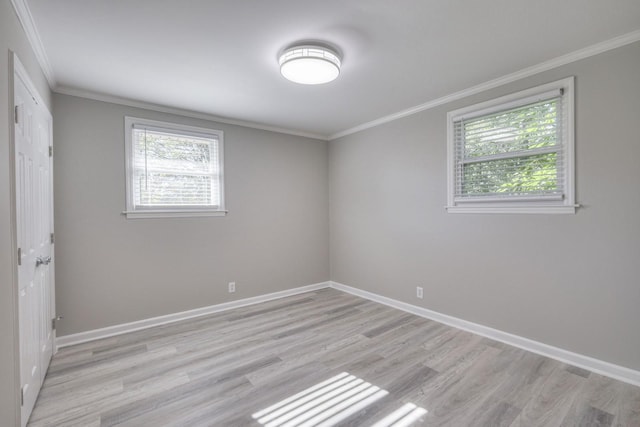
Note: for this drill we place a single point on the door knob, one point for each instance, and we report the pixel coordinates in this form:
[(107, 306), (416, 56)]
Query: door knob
[(43, 261)]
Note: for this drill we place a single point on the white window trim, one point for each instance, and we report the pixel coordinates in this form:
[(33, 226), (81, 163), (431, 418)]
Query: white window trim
[(131, 212), (566, 205)]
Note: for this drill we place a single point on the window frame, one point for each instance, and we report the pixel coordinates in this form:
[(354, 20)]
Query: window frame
[(517, 204), (132, 211)]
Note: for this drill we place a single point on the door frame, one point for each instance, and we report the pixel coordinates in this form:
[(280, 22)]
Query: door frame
[(17, 70), (15, 338)]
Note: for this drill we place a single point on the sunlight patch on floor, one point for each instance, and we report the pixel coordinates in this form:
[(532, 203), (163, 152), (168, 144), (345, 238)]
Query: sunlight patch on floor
[(332, 401)]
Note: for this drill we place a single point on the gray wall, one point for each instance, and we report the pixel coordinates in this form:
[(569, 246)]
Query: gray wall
[(571, 281), (112, 270), (12, 38)]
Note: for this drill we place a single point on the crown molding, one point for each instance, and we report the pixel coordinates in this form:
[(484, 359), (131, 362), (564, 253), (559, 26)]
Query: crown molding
[(26, 19), (181, 112), (29, 27), (574, 56)]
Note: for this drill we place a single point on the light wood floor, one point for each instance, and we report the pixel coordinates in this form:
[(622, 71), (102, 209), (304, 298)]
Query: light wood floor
[(221, 369)]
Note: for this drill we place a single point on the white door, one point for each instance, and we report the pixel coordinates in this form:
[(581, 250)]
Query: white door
[(34, 216)]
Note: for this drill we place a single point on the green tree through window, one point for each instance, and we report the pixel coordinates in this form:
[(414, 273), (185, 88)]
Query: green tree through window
[(514, 152)]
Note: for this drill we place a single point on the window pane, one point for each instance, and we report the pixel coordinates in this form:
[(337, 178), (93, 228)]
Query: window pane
[(162, 189), (175, 170), (525, 128), (514, 176)]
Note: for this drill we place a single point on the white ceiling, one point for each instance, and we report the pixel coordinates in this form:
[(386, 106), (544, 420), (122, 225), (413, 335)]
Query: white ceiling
[(220, 57)]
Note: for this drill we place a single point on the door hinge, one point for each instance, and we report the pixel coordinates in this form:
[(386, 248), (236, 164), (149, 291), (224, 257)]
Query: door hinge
[(21, 396), (15, 114), (19, 256), (51, 151), (54, 321), (53, 239)]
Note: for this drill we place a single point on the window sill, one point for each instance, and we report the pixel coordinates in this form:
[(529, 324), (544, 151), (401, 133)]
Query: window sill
[(566, 209), (172, 213)]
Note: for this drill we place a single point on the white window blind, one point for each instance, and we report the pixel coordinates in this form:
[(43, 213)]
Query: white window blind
[(513, 152), (173, 168), (516, 152)]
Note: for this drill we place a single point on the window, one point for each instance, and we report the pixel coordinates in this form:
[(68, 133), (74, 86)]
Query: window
[(514, 154), (173, 170)]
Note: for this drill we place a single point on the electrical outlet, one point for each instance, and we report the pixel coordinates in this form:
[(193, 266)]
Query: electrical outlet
[(419, 292), (232, 287)]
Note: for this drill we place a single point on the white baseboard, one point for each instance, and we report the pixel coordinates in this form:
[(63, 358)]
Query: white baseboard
[(110, 331), (595, 365)]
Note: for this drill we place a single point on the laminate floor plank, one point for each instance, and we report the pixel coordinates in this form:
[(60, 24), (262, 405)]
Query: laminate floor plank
[(526, 377), (628, 405), (552, 403), (463, 401), (322, 356), (111, 368)]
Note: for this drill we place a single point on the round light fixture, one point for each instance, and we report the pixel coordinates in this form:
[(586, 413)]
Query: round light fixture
[(310, 64)]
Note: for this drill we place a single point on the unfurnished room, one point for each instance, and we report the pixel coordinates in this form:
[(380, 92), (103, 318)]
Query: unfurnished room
[(320, 213)]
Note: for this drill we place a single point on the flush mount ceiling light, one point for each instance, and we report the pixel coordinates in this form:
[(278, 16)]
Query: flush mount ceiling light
[(310, 64)]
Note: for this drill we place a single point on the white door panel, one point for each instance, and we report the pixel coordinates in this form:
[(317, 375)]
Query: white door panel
[(34, 227)]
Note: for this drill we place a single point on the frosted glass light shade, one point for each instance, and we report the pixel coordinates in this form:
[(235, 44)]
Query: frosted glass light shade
[(309, 65)]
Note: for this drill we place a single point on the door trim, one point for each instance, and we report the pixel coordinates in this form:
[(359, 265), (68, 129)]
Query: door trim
[(21, 71), (17, 385)]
